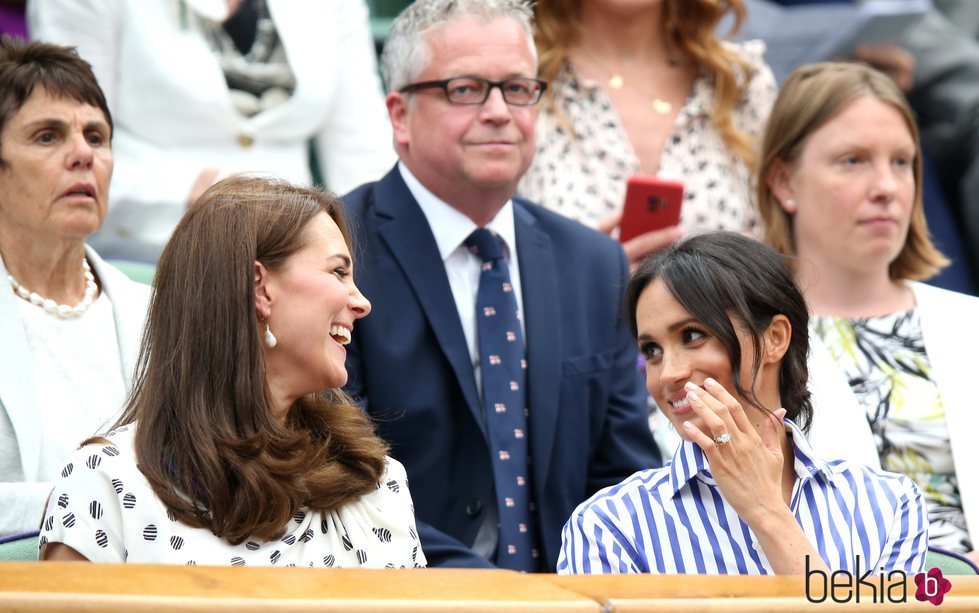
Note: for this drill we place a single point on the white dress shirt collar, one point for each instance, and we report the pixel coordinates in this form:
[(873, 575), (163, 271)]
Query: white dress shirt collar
[(450, 226)]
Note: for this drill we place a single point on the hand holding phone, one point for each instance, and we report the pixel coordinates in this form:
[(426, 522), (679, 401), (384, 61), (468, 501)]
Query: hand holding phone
[(650, 204)]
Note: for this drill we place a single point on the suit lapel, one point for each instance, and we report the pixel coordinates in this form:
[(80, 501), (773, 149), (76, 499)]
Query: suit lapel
[(17, 385), (538, 280), (404, 229)]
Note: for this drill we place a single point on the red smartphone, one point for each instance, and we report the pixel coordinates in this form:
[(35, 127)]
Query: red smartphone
[(650, 204)]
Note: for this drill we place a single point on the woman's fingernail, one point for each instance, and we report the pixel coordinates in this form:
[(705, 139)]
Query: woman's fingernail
[(690, 386), (692, 395), (687, 425), (709, 382)]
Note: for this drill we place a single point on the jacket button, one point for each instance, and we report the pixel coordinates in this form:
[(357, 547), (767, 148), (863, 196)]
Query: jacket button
[(474, 507), (245, 141)]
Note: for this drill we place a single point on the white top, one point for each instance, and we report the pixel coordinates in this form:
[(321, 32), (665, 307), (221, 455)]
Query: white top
[(104, 508), (79, 392), (173, 111), (451, 228), (583, 175), (24, 488)]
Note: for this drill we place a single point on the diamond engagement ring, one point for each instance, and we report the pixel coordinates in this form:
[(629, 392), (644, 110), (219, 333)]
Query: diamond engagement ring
[(723, 439)]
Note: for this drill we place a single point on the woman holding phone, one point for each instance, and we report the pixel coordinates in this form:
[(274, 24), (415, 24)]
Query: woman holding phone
[(723, 330), (647, 88)]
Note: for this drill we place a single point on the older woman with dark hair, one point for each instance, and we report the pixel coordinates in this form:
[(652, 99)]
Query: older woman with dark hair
[(229, 452), (840, 188), (723, 329), (71, 323)]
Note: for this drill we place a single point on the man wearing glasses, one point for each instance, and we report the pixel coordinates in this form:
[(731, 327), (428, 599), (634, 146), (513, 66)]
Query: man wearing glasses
[(495, 362)]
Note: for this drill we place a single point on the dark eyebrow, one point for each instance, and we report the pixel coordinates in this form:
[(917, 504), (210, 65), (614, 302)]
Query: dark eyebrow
[(48, 123), (683, 323), (673, 327), (63, 125)]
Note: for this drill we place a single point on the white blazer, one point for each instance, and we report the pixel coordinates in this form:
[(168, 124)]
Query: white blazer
[(23, 491), (171, 106), (950, 327)]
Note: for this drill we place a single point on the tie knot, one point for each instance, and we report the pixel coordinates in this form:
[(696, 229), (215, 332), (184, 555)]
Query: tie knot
[(485, 244)]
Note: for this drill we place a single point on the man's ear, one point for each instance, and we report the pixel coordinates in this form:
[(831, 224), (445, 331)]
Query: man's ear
[(263, 295), (779, 180), (398, 113), (776, 340)]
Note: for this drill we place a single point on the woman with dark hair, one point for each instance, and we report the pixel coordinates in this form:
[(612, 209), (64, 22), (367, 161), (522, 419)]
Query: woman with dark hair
[(723, 330), (228, 451), (71, 322)]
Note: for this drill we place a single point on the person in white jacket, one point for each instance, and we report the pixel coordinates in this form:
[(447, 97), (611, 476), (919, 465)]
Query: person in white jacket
[(840, 188), (204, 88), (71, 323)]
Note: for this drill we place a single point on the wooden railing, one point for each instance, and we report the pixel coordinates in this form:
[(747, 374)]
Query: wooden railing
[(30, 586)]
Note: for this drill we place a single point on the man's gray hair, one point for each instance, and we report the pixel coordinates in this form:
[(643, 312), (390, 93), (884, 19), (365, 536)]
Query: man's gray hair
[(406, 52)]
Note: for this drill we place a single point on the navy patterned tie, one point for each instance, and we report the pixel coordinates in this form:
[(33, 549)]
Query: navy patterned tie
[(503, 366)]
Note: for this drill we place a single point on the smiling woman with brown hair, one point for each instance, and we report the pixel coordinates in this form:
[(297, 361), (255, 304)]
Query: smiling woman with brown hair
[(229, 452), (71, 323)]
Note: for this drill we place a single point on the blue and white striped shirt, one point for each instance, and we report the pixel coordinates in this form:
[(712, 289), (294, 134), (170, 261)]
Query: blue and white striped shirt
[(675, 520)]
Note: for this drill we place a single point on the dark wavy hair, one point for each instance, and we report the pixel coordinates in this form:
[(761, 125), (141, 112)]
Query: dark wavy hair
[(723, 279), (59, 70), (206, 437)]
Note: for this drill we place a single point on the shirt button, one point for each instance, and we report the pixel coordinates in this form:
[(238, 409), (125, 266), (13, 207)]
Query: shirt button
[(245, 140), (474, 507)]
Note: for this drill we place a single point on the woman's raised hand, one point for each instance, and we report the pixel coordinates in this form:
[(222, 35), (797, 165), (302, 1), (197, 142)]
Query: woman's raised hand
[(748, 466), (746, 463), (636, 249)]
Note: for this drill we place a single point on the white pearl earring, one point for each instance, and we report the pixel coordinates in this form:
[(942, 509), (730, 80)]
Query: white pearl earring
[(790, 204), (269, 340)]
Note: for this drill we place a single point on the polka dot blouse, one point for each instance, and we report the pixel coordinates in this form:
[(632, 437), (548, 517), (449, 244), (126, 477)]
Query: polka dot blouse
[(104, 508), (583, 175)]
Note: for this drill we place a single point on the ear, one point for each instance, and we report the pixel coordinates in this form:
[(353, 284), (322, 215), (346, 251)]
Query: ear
[(779, 180), (776, 340), (398, 112), (263, 295)]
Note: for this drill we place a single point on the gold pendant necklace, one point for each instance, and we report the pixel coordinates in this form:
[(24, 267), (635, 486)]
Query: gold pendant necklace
[(659, 106)]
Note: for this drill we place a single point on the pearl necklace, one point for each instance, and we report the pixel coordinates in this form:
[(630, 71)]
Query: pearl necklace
[(64, 311)]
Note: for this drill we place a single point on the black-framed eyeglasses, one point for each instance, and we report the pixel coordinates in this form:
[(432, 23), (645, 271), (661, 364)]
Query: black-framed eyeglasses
[(519, 91)]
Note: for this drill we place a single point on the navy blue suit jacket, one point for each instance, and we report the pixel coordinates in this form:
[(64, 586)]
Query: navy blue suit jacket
[(410, 366)]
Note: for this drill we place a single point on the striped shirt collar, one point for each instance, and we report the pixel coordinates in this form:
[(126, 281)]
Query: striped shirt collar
[(689, 461)]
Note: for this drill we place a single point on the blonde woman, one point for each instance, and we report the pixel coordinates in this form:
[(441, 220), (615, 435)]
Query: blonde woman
[(840, 188)]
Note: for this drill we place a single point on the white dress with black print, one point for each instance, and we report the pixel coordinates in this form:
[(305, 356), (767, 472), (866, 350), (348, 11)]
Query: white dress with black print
[(104, 508)]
